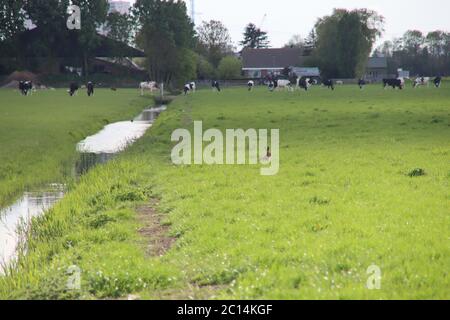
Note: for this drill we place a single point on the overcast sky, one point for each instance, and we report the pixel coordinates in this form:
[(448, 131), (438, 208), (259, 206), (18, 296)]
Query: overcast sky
[(288, 17)]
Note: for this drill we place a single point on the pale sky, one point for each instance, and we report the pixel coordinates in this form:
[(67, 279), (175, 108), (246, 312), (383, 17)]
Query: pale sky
[(288, 17)]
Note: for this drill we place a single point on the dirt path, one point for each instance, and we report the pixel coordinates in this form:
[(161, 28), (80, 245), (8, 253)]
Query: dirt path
[(154, 231), (157, 243)]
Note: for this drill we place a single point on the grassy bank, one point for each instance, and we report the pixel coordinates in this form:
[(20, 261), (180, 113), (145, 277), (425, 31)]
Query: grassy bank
[(38, 133), (346, 197)]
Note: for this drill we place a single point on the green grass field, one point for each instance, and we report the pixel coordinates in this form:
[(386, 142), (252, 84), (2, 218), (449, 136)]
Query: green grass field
[(38, 133), (345, 198)]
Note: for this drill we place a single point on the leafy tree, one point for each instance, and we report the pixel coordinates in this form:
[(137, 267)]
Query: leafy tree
[(120, 27), (413, 41), (230, 68), (93, 15), (255, 38), (205, 70), (435, 41), (166, 34), (214, 41), (50, 16), (345, 40), (12, 18), (186, 66), (421, 55)]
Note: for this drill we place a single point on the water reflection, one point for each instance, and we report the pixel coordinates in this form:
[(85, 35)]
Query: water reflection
[(112, 139), (19, 214), (94, 150)]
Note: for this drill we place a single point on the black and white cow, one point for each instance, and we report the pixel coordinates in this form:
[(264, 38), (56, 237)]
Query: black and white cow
[(284, 84), (90, 89), (192, 86), (361, 83), (25, 87), (394, 83), (186, 88), (304, 83), (189, 87), (215, 85), (328, 83), (437, 81), (421, 81), (73, 89), (271, 86), (250, 85), (149, 85)]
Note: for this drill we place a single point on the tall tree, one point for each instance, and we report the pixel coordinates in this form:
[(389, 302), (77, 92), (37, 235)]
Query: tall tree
[(50, 16), (166, 34), (413, 41), (93, 15), (345, 40), (435, 41), (12, 17), (254, 37), (230, 68), (214, 40), (120, 27)]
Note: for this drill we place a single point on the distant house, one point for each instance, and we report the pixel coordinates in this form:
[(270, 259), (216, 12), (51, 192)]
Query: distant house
[(377, 69), (258, 63)]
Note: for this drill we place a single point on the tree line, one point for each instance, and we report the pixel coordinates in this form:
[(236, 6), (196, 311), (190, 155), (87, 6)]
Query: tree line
[(421, 54), (175, 50)]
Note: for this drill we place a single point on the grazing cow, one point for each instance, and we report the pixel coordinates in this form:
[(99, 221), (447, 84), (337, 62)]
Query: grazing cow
[(151, 85), (421, 81), (304, 83), (90, 89), (284, 84), (187, 88), (193, 86), (73, 89), (437, 82), (329, 84), (250, 85), (25, 87), (215, 85), (361, 83), (394, 83), (271, 86)]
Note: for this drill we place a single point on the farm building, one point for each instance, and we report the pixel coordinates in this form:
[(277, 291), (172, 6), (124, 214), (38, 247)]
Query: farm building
[(258, 63), (109, 56), (377, 69)]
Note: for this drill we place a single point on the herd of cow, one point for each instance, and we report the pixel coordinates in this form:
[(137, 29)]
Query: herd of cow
[(305, 83), (26, 87)]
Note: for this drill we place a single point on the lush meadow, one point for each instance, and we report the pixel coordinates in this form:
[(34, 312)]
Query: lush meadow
[(38, 133), (364, 179)]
